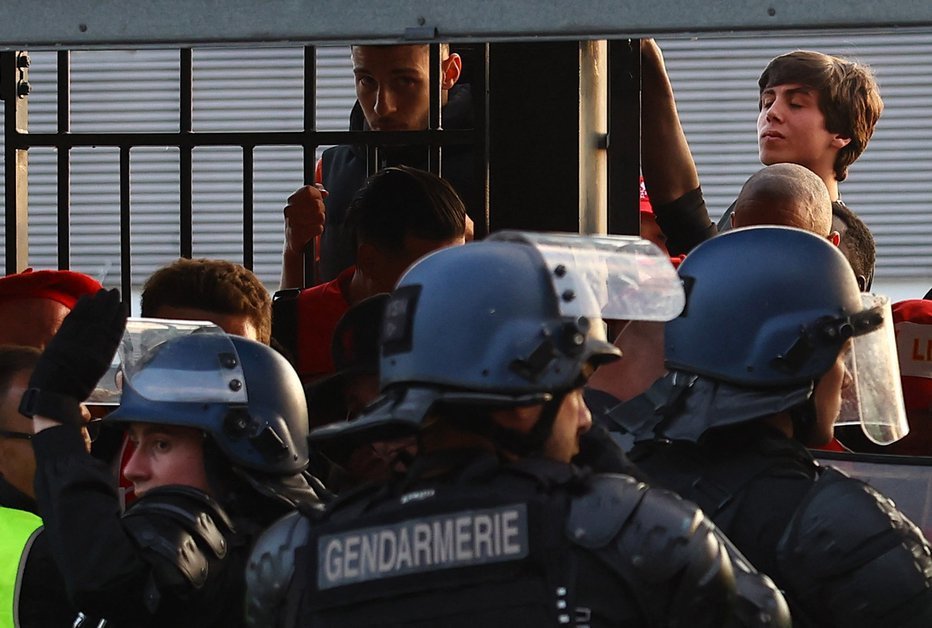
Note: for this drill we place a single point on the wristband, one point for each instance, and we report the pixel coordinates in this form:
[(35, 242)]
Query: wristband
[(51, 405)]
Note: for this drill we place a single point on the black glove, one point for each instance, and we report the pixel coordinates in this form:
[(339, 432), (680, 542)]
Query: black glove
[(77, 357)]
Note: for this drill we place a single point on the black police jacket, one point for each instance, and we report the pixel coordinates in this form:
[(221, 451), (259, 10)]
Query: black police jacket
[(533, 543), (840, 551)]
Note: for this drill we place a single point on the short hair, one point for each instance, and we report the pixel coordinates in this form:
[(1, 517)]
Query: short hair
[(848, 96), (400, 201), (856, 242), (213, 285), (444, 47), (13, 360)]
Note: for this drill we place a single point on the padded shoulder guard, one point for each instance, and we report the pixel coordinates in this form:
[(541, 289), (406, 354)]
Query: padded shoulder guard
[(180, 531), (271, 567), (850, 558), (672, 557)]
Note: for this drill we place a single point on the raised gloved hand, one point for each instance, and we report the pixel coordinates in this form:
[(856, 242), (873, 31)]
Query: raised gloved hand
[(76, 358)]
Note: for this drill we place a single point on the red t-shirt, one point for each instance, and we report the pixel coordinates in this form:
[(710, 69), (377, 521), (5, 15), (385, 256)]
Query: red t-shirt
[(319, 310)]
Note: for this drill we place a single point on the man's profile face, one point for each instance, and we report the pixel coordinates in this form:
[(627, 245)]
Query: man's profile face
[(572, 421), (392, 85), (791, 129), (165, 455)]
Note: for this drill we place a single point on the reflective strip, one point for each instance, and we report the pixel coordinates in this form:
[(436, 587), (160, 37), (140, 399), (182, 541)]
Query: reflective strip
[(460, 539), (18, 530)]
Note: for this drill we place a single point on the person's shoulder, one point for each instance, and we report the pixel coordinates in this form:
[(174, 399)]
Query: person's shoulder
[(182, 532), (850, 541)]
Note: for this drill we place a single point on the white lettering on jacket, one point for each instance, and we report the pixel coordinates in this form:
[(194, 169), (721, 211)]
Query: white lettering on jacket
[(460, 539)]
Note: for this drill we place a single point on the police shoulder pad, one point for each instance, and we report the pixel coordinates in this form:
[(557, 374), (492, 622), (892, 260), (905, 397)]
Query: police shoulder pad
[(271, 567), (839, 520), (849, 553), (180, 530), (596, 516)]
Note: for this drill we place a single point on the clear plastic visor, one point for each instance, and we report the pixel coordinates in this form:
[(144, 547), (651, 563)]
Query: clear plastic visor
[(162, 370), (608, 277), (872, 396)]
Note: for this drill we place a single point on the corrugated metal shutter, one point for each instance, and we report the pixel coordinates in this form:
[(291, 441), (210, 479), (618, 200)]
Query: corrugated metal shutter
[(715, 81), (234, 89)]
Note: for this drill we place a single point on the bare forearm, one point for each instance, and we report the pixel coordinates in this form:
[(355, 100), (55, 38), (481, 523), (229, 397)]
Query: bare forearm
[(292, 270), (666, 162)]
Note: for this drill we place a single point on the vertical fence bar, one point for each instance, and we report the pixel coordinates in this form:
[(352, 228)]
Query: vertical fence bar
[(185, 149), (480, 147), (63, 168), (126, 270), (624, 136), (310, 111), (311, 267), (434, 97), (248, 210), (14, 89)]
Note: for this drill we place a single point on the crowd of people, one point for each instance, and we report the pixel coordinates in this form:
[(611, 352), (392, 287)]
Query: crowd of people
[(530, 430)]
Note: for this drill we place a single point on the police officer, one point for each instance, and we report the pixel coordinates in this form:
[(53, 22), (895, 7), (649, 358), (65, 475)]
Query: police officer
[(219, 423), (484, 351), (799, 346)]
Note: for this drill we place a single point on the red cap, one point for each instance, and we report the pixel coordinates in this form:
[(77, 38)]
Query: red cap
[(912, 322), (63, 286), (646, 207)]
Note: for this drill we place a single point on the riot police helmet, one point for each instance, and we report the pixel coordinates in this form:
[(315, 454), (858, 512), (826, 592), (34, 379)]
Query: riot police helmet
[(514, 320), (768, 311), (244, 395)]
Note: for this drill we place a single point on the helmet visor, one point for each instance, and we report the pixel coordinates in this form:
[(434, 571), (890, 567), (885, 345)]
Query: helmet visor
[(607, 276), (873, 397), (161, 370)]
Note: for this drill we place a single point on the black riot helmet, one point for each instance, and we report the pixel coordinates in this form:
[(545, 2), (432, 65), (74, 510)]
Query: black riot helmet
[(782, 300), (510, 321), (244, 395), (768, 311)]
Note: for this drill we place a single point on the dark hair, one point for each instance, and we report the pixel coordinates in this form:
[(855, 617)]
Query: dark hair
[(15, 359), (856, 243), (400, 201), (212, 285), (848, 96)]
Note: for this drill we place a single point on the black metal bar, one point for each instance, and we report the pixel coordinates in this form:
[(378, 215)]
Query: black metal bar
[(185, 160), (248, 210), (239, 138), (480, 100), (624, 136), (63, 169), (13, 90), (311, 266), (126, 276), (310, 112), (434, 97)]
